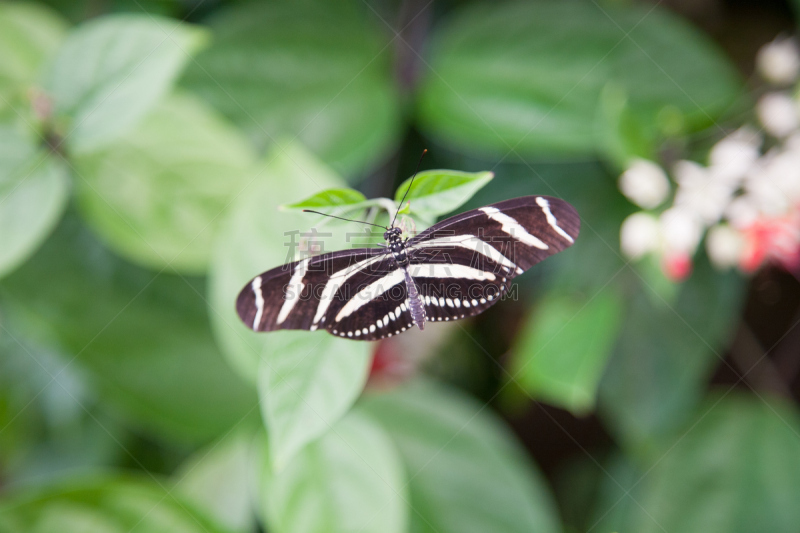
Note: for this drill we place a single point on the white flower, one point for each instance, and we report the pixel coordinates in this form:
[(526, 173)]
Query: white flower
[(779, 61), (639, 235), (644, 183), (724, 246), (785, 170), (767, 196), (701, 192), (732, 157), (778, 113), (792, 144), (689, 173), (742, 211), (775, 183), (681, 230)]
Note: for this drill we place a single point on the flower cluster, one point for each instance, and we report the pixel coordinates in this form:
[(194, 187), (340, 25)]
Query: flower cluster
[(745, 201)]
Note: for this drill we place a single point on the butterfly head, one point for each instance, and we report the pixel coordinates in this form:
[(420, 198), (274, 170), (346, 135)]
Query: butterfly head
[(393, 234)]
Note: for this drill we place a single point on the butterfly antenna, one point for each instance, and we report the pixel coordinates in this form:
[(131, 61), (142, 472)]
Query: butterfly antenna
[(345, 219), (400, 206)]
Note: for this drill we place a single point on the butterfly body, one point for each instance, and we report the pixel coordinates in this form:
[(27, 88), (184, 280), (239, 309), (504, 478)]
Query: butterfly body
[(454, 269), (397, 247)]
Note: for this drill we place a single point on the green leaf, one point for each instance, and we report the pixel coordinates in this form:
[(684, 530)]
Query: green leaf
[(575, 483), (307, 380), (33, 193), (219, 479), (302, 396), (112, 70), (347, 203), (609, 493), (527, 76), (158, 194), (349, 480), (102, 505), (143, 337), (675, 76), (466, 473), (29, 35), (664, 356), (319, 72), (47, 409), (734, 468), (438, 192), (566, 343), (622, 134), (257, 236), (329, 198)]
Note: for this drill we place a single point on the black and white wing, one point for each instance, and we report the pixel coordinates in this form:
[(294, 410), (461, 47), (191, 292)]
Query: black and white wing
[(460, 267), (358, 294), (465, 263)]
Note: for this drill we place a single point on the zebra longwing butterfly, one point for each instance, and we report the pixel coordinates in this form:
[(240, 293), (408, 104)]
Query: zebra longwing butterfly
[(452, 270)]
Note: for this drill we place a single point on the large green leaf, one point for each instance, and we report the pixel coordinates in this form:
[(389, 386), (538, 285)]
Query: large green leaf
[(465, 472), (307, 380), (617, 502), (220, 479), (529, 75), (158, 194), (564, 348), (734, 469), (664, 355), (112, 70), (33, 192), (102, 505), (351, 479), (438, 192), (144, 337), (315, 70), (29, 35), (257, 236), (304, 394)]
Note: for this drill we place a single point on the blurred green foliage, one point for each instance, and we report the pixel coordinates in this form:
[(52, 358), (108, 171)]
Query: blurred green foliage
[(319, 71), (149, 167), (528, 77), (565, 347), (103, 505)]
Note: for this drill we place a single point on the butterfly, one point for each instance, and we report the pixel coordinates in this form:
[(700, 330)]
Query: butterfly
[(454, 269)]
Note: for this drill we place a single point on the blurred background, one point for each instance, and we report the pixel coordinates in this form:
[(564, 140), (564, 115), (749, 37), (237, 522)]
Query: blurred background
[(644, 380)]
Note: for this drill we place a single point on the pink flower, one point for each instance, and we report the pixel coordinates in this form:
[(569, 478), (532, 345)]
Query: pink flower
[(677, 265), (775, 239)]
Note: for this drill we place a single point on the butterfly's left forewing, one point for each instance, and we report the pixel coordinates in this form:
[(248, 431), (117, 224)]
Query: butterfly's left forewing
[(356, 294), (300, 295)]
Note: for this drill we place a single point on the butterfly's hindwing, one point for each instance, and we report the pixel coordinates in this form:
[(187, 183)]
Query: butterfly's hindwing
[(383, 316), (372, 304), (456, 282)]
